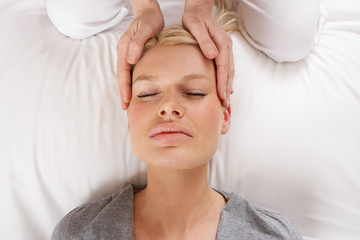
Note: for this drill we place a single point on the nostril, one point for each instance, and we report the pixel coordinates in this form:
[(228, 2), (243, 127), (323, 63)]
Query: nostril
[(164, 113)]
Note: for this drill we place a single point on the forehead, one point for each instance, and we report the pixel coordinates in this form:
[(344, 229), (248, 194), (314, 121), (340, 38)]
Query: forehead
[(174, 62)]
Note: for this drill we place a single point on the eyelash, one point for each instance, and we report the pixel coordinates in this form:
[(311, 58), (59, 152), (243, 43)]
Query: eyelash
[(193, 94), (146, 95), (196, 94)]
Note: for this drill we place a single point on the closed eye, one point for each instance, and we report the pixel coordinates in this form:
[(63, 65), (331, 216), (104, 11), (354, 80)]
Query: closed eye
[(146, 95), (196, 94)]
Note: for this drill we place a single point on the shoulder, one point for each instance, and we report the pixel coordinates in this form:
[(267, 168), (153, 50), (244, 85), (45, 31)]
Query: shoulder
[(88, 220), (255, 222)]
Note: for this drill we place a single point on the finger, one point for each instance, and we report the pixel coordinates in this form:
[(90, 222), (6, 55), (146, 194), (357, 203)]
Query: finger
[(125, 85), (202, 36), (222, 64), (138, 41), (222, 72), (231, 73), (123, 71)]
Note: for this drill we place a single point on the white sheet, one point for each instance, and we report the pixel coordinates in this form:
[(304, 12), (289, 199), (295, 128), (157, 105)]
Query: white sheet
[(294, 143)]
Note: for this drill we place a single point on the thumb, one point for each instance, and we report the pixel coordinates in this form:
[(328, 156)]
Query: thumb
[(202, 36), (136, 44)]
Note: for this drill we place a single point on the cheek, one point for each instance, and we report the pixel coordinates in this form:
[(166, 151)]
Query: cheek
[(209, 119), (136, 118), (208, 124)]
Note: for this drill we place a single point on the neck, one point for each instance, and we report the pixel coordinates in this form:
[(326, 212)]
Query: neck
[(176, 200)]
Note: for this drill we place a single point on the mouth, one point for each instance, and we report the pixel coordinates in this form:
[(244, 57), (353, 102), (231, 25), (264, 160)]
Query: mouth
[(170, 133)]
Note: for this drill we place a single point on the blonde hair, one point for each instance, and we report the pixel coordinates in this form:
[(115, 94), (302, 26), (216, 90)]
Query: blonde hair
[(226, 16)]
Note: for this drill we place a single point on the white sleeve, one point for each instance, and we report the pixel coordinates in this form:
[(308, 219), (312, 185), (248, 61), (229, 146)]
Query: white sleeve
[(83, 18), (285, 30)]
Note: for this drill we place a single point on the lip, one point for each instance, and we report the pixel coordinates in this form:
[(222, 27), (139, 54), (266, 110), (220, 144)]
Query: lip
[(170, 133)]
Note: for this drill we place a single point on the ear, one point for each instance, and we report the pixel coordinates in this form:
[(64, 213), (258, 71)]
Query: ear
[(226, 121)]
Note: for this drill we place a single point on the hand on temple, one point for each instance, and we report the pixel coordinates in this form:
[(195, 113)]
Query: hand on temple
[(213, 41), (148, 23), (198, 20)]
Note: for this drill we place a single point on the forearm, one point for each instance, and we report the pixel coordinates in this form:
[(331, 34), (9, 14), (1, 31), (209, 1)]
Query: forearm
[(139, 6), (190, 4)]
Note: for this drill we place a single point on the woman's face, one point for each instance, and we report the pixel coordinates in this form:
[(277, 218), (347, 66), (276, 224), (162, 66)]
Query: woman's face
[(175, 116)]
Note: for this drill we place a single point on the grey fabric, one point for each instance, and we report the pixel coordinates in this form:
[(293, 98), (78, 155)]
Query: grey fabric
[(243, 220), (113, 218)]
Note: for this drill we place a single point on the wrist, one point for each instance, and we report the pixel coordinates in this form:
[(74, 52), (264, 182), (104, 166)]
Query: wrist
[(143, 6), (203, 4)]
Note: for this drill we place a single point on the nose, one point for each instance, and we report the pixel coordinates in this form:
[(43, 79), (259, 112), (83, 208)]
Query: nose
[(170, 108)]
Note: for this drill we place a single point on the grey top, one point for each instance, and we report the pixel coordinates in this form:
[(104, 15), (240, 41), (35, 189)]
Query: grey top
[(113, 218)]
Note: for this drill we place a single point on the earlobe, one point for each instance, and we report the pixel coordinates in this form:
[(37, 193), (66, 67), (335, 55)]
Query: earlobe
[(226, 120)]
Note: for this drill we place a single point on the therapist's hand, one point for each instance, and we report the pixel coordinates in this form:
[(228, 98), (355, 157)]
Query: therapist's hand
[(214, 43), (148, 22)]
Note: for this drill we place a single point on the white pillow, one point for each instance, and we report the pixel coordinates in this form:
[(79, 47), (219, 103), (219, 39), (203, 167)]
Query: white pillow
[(293, 145)]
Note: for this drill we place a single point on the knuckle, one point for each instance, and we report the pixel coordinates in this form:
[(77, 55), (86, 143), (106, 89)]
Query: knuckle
[(125, 36), (195, 23), (207, 43), (135, 45), (135, 42), (222, 66), (232, 72), (152, 30)]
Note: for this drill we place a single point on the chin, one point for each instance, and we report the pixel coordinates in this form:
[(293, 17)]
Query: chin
[(174, 160)]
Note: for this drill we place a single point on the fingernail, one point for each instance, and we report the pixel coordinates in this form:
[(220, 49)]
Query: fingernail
[(131, 58), (225, 95), (213, 52), (225, 103)]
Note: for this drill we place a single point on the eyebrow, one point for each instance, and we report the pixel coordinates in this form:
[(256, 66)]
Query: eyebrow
[(144, 77), (193, 76)]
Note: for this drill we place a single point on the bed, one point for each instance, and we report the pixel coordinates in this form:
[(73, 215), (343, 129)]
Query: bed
[(293, 146)]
